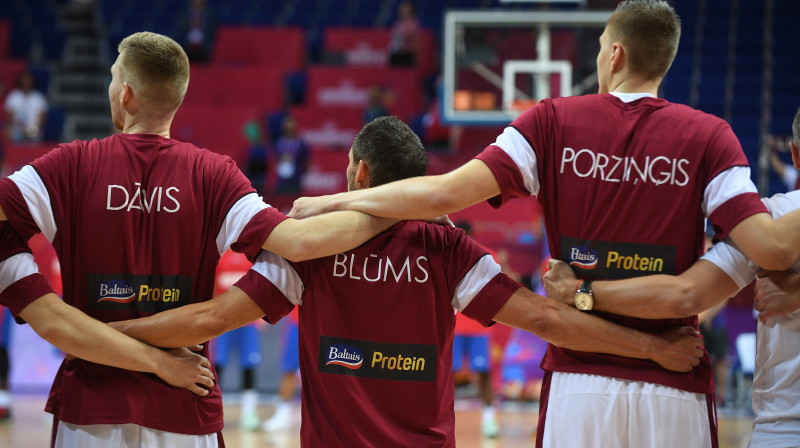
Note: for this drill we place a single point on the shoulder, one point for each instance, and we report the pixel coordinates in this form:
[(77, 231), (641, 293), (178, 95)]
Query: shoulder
[(430, 230)]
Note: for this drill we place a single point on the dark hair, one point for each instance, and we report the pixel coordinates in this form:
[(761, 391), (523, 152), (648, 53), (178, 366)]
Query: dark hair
[(391, 150), (650, 31), (796, 129)]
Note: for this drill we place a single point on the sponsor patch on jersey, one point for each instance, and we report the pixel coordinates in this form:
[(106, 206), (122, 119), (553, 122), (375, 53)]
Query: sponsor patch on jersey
[(583, 257), (614, 260), (367, 359), (142, 293)]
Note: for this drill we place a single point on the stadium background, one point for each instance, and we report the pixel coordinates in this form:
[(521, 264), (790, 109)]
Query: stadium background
[(317, 60)]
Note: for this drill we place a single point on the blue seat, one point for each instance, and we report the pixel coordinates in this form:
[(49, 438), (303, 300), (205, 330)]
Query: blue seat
[(296, 88), (54, 126)]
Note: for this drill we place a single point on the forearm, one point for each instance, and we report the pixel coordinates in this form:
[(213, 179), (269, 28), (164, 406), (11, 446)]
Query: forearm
[(324, 235), (652, 297), (195, 323), (697, 289), (83, 337), (567, 327), (170, 329), (416, 198)]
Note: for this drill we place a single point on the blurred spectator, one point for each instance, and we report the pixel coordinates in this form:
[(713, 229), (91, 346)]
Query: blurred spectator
[(471, 342), (245, 340), (375, 107), (714, 328), (200, 31), (292, 155), (27, 110), (257, 156), (786, 171), (405, 37)]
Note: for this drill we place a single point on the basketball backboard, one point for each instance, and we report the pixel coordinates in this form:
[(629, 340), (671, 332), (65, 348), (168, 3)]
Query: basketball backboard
[(499, 63)]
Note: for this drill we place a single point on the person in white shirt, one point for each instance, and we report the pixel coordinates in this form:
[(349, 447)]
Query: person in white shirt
[(27, 110)]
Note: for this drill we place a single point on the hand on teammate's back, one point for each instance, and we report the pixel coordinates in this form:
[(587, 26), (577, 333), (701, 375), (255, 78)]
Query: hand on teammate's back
[(679, 349), (187, 370), (560, 282), (310, 206), (777, 294)]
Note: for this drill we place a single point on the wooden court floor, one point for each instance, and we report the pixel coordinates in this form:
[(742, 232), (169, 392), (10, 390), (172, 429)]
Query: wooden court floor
[(30, 427)]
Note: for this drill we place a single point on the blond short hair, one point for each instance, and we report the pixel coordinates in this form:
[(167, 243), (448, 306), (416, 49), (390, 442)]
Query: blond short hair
[(649, 30), (156, 67)]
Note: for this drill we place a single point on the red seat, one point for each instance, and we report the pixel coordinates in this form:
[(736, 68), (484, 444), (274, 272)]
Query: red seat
[(218, 128), (258, 86), (283, 48), (348, 87), (328, 128)]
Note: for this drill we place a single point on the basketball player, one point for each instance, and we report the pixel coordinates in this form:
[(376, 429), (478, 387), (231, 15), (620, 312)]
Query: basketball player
[(626, 180), (29, 297), (716, 276), (139, 221), (376, 323)]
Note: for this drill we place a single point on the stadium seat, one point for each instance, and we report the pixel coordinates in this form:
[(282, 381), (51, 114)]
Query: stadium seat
[(54, 126)]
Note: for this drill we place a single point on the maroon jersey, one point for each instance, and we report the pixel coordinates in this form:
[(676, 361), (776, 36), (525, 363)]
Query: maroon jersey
[(138, 222), (625, 188), (376, 332)]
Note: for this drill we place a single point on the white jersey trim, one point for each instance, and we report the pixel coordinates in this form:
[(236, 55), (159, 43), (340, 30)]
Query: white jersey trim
[(37, 198), (630, 97), (16, 267), (517, 147), (474, 281), (726, 257), (237, 218), (729, 183), (281, 274)]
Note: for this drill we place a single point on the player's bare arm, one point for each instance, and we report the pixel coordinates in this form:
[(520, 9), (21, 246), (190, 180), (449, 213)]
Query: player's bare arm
[(2, 214), (651, 297), (320, 236), (773, 245), (195, 323), (777, 294), (416, 198), (679, 349), (83, 337)]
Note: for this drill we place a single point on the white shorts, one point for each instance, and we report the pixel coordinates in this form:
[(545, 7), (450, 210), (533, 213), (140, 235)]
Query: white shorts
[(775, 434), (127, 436), (597, 411)]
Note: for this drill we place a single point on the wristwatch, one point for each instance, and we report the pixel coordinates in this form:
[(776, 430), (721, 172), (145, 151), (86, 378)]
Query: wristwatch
[(584, 299)]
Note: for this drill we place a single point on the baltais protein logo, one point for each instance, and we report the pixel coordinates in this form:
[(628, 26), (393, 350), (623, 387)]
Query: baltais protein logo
[(118, 291), (146, 293), (345, 356), (583, 257), (613, 260), (402, 362)]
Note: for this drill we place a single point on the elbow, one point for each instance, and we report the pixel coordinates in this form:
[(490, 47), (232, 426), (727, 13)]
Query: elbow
[(548, 325), (50, 332), (686, 301), (210, 323), (780, 258), (442, 200), (301, 250)]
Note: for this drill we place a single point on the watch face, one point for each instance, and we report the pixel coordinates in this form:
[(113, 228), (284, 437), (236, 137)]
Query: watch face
[(583, 301)]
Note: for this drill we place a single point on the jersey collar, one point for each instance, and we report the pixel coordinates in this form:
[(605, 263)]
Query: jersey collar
[(628, 97)]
